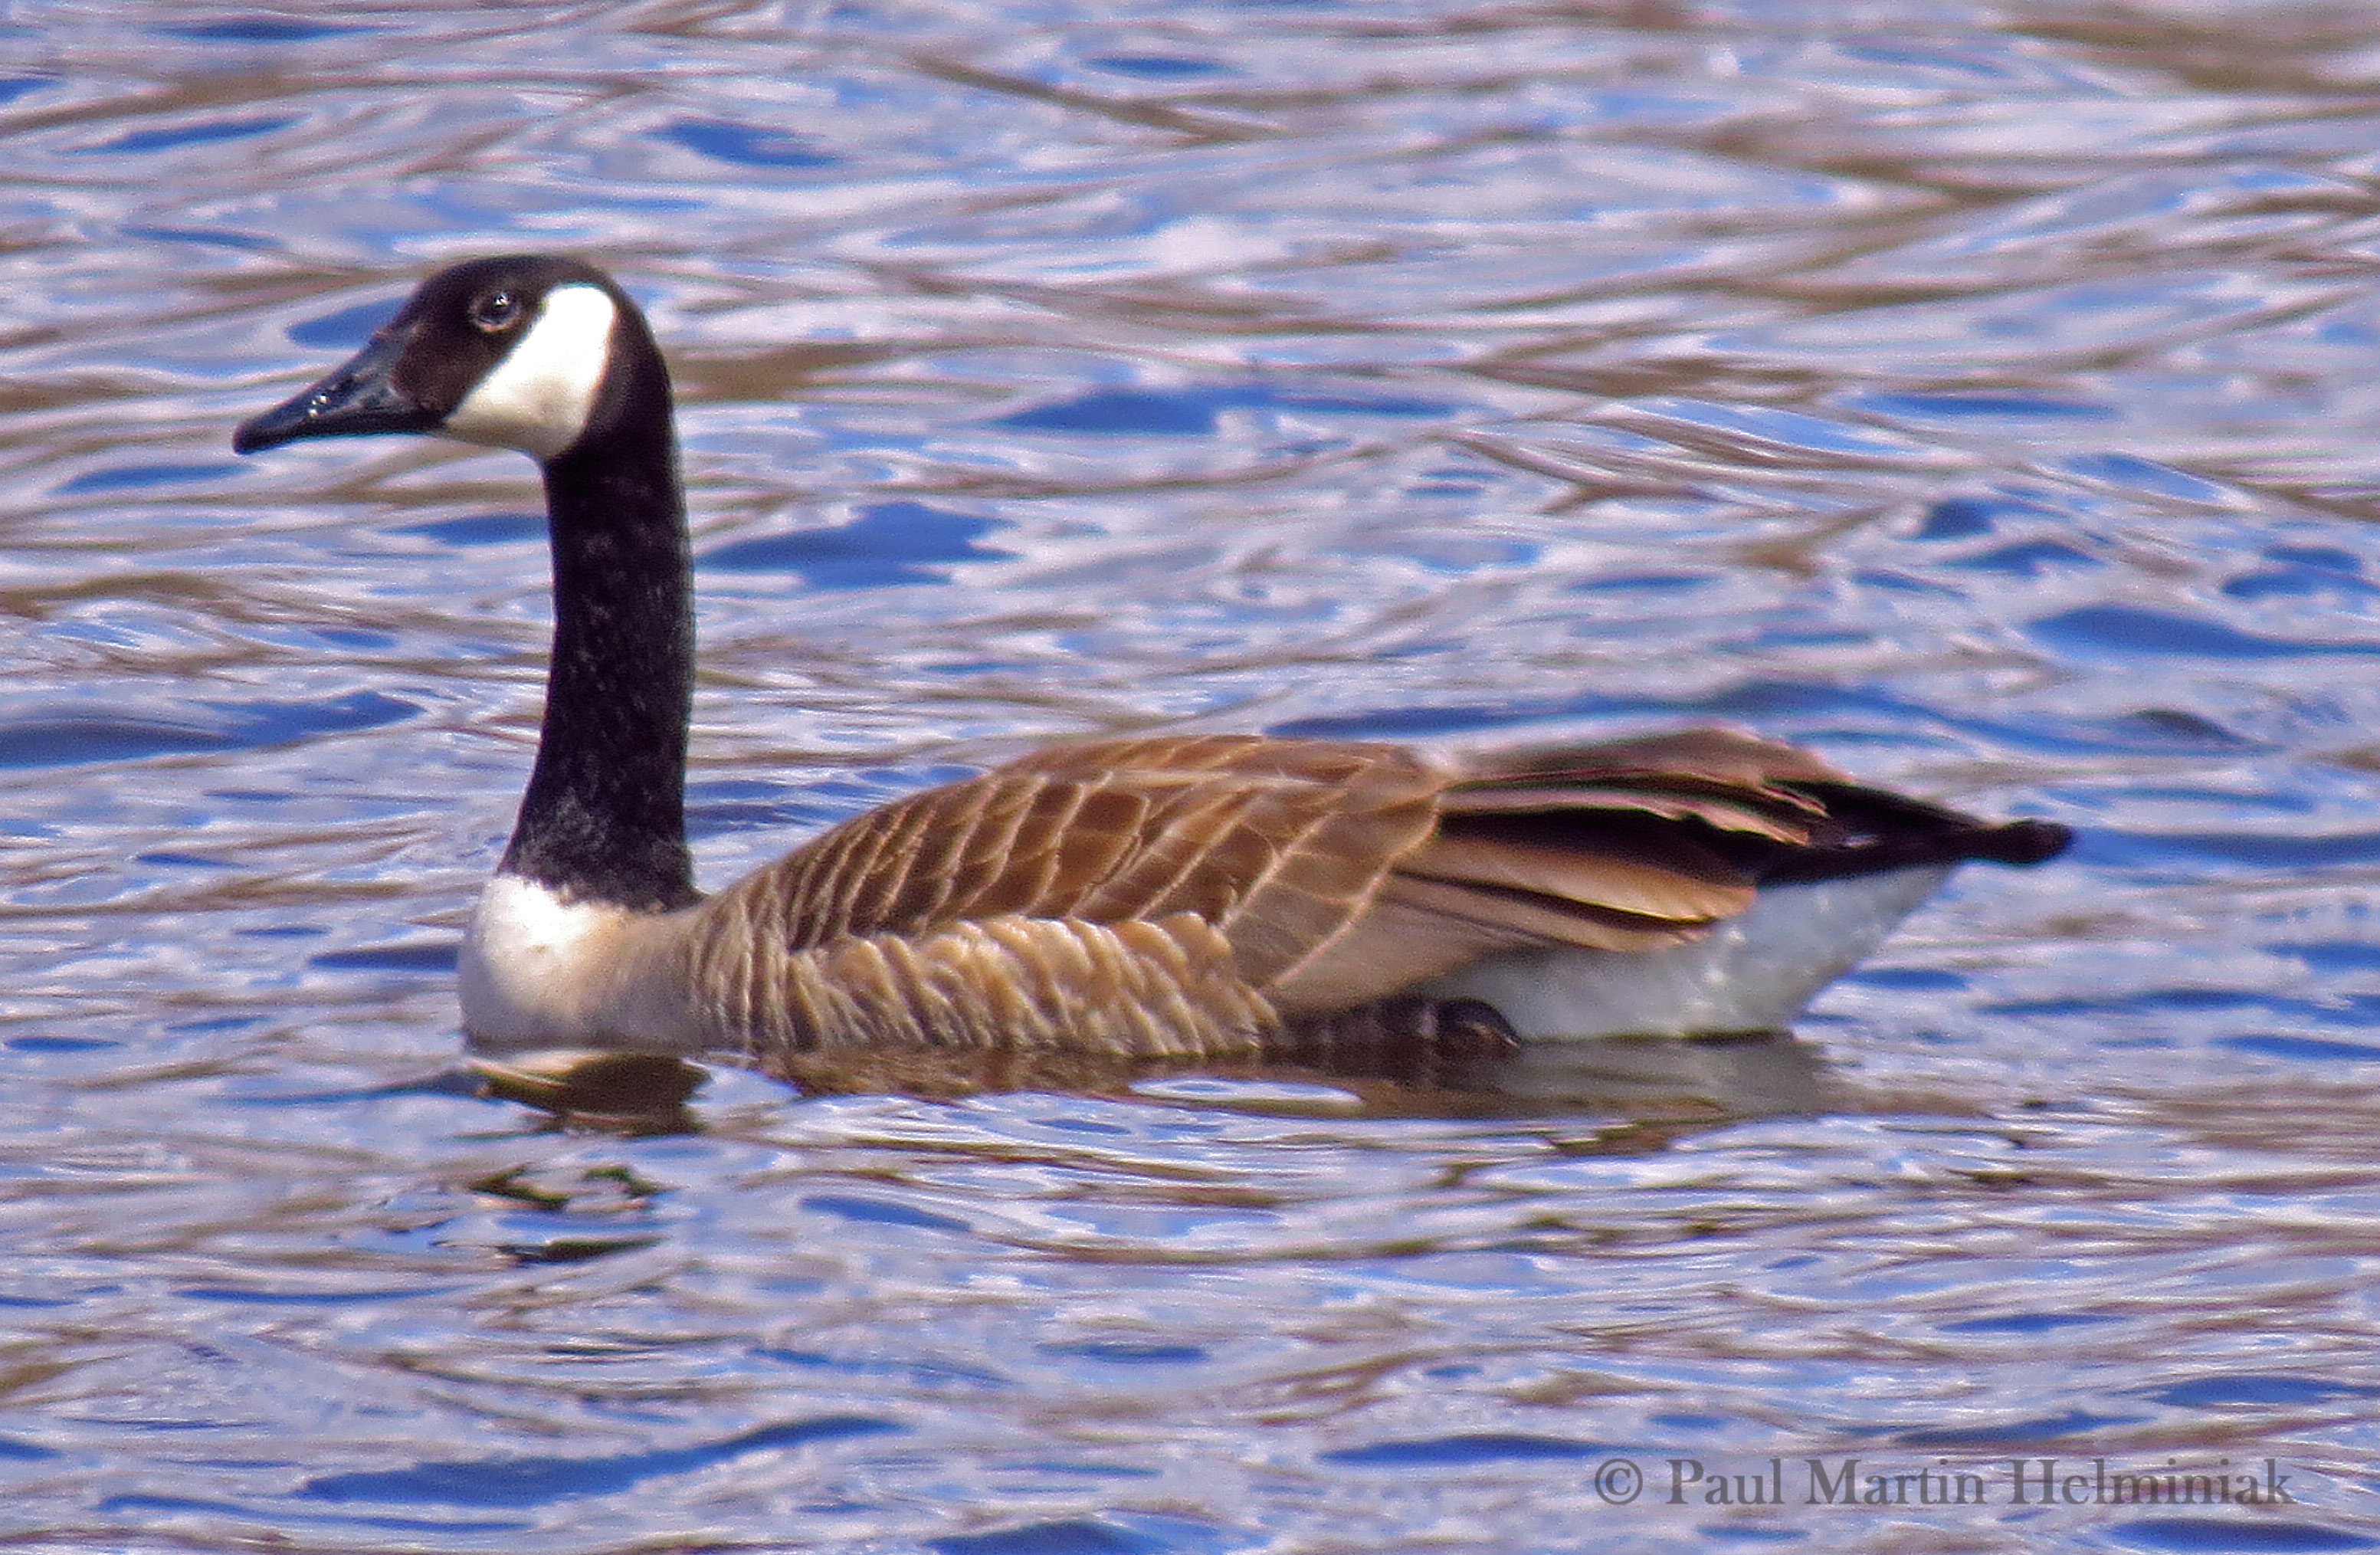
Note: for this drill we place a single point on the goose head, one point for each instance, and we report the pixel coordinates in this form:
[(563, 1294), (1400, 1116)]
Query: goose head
[(526, 351)]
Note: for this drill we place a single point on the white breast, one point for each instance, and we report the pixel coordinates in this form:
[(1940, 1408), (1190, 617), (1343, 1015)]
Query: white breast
[(540, 972)]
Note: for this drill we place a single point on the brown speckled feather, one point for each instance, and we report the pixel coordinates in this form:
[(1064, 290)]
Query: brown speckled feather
[(1182, 895), (1143, 989), (1111, 831)]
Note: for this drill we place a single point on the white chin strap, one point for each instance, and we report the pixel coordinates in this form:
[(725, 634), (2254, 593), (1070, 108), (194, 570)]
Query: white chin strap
[(537, 399)]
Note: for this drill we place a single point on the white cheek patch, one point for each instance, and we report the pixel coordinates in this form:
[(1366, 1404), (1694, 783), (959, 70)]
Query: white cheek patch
[(537, 397)]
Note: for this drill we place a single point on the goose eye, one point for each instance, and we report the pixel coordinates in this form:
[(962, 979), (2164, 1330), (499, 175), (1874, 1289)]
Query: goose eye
[(494, 311)]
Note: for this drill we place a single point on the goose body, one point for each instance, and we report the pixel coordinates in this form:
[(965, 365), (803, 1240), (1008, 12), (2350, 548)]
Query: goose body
[(1186, 898)]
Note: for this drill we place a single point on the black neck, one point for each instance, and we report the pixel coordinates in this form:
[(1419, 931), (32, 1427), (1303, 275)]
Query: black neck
[(604, 816)]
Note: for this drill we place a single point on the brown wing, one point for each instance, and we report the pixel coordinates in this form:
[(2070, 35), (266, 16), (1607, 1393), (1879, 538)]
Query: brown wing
[(1626, 845), (1277, 843)]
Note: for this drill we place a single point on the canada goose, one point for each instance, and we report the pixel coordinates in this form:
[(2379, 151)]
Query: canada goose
[(1198, 897)]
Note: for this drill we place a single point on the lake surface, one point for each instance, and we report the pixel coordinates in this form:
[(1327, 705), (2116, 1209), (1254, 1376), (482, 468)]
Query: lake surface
[(1987, 396)]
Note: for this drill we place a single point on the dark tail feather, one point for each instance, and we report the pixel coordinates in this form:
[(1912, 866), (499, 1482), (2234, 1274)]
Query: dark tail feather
[(1893, 831)]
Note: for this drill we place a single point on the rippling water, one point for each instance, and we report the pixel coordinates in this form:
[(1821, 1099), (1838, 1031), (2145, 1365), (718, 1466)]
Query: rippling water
[(1984, 396)]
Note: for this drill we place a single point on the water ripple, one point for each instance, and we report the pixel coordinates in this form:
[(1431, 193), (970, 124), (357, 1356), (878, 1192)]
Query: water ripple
[(1983, 395)]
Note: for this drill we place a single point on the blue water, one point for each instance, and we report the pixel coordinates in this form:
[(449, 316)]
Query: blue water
[(1982, 397)]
